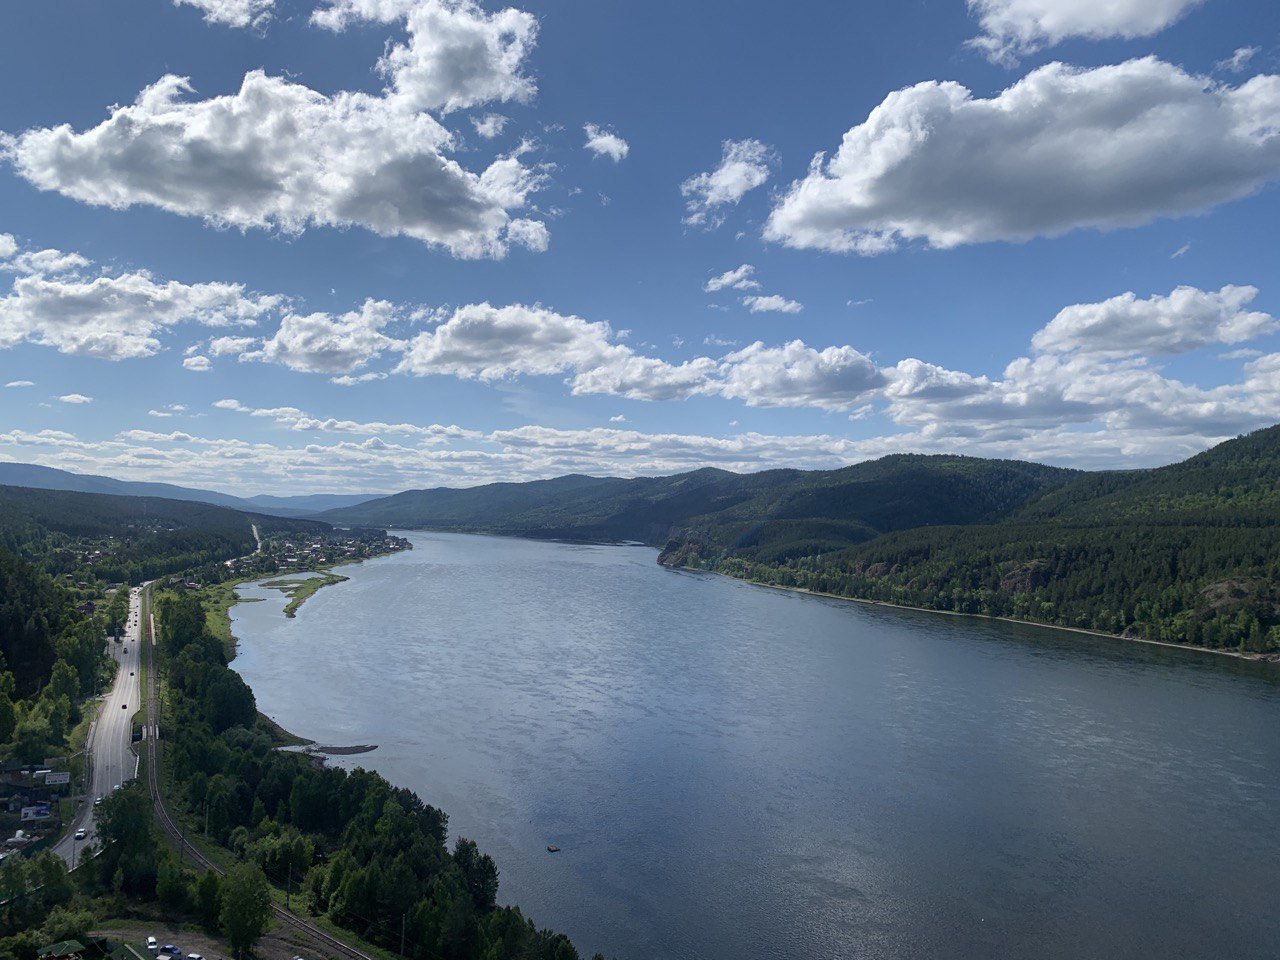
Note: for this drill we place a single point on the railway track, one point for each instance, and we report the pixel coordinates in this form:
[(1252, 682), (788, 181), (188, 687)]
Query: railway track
[(321, 939)]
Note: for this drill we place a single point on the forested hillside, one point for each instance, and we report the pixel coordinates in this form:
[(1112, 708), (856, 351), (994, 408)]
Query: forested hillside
[(773, 509), (114, 539), (1188, 553)]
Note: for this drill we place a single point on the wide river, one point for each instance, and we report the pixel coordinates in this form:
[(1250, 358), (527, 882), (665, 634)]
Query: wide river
[(737, 773)]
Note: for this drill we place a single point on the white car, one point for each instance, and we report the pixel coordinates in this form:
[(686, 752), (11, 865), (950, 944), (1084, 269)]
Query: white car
[(80, 834), (152, 945)]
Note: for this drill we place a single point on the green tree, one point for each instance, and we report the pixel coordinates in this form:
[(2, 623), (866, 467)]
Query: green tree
[(64, 682), (478, 872), (59, 720), (209, 899), (129, 846), (8, 719), (31, 738), (246, 905), (171, 884), (64, 923)]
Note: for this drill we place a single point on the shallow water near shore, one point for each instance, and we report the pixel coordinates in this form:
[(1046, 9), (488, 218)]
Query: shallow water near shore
[(735, 773)]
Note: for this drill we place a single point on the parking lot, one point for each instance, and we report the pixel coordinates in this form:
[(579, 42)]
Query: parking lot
[(277, 944)]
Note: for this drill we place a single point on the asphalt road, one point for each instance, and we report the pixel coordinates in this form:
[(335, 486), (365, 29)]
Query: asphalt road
[(110, 744)]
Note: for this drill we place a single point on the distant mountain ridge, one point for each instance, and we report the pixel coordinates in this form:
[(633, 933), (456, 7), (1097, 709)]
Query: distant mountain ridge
[(843, 506), (48, 478)]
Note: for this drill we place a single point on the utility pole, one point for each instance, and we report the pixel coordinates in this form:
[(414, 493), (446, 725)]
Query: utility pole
[(288, 885), (403, 918)]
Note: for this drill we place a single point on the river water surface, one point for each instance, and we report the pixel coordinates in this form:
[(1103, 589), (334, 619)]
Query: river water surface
[(736, 773)]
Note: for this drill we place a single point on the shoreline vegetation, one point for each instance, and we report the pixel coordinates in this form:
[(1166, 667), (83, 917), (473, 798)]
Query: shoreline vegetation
[(805, 591), (369, 857), (298, 589), (219, 598)]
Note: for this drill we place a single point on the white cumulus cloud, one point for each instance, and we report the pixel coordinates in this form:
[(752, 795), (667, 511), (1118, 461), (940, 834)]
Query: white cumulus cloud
[(1061, 149), (113, 317), (75, 398), (1014, 28), (457, 56), (322, 343), (740, 278), (490, 125), (605, 143), (232, 13), (1186, 319), (276, 154), (797, 375)]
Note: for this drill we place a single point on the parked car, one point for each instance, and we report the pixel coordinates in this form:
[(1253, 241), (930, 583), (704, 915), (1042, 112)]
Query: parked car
[(171, 950), (97, 802), (151, 941), (194, 956)]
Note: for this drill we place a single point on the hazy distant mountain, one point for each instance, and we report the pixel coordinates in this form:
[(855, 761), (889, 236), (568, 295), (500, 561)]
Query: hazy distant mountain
[(307, 504), (48, 478)]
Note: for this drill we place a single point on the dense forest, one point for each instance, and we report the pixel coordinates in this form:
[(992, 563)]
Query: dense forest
[(50, 655), (1188, 553), (369, 856)]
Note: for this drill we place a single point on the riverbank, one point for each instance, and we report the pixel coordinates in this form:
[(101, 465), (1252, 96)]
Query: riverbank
[(298, 589), (219, 598), (1237, 654), (298, 586)]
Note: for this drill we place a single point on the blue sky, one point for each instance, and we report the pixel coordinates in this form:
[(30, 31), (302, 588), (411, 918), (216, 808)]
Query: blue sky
[(1041, 230)]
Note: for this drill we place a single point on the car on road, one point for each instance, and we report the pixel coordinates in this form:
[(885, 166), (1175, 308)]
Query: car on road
[(80, 834), (151, 944), (97, 801)]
